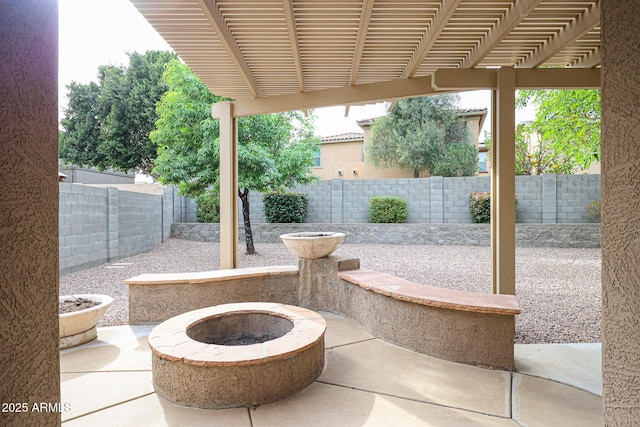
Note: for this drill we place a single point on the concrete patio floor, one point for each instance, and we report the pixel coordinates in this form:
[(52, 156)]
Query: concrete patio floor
[(366, 382)]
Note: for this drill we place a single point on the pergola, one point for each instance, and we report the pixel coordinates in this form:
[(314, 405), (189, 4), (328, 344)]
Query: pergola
[(282, 55)]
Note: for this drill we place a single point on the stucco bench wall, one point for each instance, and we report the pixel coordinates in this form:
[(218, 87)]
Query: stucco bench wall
[(460, 326), (154, 298)]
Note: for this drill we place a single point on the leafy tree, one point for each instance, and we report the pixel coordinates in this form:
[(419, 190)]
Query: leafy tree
[(417, 133), (107, 124), (275, 151), (458, 159), (81, 138), (568, 121), (536, 157)]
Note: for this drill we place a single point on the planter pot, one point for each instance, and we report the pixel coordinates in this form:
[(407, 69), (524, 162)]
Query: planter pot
[(313, 245), (79, 327)]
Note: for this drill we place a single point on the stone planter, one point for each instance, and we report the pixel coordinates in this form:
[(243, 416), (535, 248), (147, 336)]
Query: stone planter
[(79, 327), (313, 245)]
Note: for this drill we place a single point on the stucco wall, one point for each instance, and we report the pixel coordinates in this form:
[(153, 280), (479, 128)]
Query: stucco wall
[(621, 212), (29, 211)]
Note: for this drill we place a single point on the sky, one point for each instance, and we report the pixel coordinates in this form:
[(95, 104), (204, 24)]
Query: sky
[(99, 32)]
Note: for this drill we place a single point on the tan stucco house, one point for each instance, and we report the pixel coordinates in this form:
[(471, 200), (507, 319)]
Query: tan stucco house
[(344, 155)]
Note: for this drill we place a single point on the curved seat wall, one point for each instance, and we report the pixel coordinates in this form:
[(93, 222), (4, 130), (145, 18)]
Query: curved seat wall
[(459, 326)]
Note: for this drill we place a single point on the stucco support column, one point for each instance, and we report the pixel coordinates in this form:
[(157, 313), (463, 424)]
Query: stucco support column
[(503, 184), (621, 212), (228, 186), (30, 357)]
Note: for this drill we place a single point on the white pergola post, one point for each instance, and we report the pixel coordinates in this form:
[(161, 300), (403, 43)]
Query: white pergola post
[(503, 184), (228, 185)]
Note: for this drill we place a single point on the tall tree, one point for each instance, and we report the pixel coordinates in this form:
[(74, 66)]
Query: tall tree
[(275, 151), (568, 122), (81, 137), (122, 113), (424, 133)]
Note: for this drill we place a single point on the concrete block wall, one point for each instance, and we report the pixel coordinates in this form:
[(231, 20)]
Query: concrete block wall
[(99, 225), (529, 192), (436, 200), (83, 219), (139, 222), (574, 193), (456, 192)]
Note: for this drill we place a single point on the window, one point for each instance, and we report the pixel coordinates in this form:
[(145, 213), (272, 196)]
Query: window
[(482, 162), (316, 158)]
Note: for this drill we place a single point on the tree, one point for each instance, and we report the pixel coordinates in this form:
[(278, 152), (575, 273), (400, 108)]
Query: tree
[(275, 151), (424, 133), (81, 137), (568, 121), (107, 124), (536, 157)]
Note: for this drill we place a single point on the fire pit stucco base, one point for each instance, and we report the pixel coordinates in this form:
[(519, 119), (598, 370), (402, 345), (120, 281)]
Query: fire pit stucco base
[(190, 368)]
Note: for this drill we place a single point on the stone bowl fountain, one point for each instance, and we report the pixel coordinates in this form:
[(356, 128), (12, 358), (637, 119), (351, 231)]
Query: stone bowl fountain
[(313, 245)]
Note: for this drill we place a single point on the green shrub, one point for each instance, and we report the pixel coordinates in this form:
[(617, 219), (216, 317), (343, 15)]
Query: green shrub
[(285, 207), (208, 207), (480, 205), (388, 210), (593, 211)]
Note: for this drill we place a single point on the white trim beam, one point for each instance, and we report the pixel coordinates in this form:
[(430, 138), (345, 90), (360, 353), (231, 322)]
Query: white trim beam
[(210, 9), (289, 15), (363, 26), (582, 24), (514, 16), (444, 13)]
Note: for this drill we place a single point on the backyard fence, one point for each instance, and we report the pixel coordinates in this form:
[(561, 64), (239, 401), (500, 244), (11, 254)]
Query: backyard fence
[(99, 225)]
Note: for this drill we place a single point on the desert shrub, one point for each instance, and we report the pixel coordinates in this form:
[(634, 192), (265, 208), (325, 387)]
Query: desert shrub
[(480, 206), (593, 211), (388, 209), (208, 207), (285, 207)]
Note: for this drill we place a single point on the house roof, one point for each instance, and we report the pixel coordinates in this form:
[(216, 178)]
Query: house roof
[(343, 137), (244, 49), (462, 112)]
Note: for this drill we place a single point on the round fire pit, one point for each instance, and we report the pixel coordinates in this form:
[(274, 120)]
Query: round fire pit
[(235, 355), (313, 245)]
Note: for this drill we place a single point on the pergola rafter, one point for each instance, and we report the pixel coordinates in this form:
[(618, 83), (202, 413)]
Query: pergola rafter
[(582, 24), (446, 10), (218, 25), (289, 14), (515, 15)]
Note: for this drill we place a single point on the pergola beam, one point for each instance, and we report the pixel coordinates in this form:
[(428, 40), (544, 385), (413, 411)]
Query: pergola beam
[(365, 17), (216, 20), (360, 94), (516, 14), (526, 78), (444, 13), (289, 15), (581, 25)]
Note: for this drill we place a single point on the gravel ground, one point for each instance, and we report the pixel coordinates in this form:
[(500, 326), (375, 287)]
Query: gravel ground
[(559, 290)]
